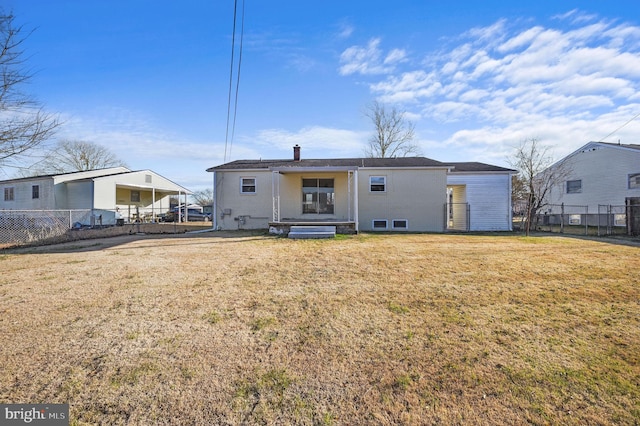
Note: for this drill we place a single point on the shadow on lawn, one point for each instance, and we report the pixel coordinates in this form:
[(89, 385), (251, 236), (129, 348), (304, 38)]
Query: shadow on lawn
[(621, 240), (97, 244)]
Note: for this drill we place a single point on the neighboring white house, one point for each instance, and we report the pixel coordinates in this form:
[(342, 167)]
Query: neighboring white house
[(131, 192), (601, 174), (364, 194)]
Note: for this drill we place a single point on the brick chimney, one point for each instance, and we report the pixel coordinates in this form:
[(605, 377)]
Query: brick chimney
[(296, 153)]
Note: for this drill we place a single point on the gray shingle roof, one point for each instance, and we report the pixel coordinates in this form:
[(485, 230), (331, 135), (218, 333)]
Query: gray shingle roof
[(478, 167), (623, 145), (330, 162)]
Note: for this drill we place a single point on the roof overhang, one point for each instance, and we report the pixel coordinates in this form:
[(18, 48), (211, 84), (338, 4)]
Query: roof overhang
[(152, 188), (333, 169)]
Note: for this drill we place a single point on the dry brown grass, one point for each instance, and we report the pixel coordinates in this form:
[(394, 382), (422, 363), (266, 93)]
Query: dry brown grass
[(372, 329)]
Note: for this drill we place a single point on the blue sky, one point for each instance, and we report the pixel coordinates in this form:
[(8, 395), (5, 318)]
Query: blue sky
[(150, 79)]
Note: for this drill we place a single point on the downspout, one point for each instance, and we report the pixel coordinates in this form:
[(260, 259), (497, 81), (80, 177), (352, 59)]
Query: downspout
[(214, 207)]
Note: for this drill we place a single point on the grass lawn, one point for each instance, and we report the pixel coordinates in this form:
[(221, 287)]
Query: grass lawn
[(239, 328)]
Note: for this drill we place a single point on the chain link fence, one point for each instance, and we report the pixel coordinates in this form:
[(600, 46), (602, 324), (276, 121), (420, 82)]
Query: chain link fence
[(579, 220), (28, 226)]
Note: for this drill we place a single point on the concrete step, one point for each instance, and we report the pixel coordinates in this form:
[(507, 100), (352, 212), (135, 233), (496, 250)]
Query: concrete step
[(309, 232)]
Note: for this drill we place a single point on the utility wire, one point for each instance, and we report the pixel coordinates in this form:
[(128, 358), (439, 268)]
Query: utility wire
[(616, 130), (235, 107), (233, 48)]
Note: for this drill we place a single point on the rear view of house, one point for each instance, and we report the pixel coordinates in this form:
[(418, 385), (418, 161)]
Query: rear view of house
[(414, 194)]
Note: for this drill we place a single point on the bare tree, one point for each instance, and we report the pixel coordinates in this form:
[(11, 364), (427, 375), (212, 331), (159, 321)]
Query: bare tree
[(76, 156), (537, 175), (23, 123), (203, 197), (393, 135)]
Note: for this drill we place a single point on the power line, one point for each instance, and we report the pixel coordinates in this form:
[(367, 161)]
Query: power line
[(228, 144), (616, 130), (235, 107)]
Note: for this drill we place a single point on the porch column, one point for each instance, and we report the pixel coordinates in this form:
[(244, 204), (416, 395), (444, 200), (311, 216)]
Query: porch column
[(349, 178), (153, 204), (355, 199), (186, 209), (275, 193)]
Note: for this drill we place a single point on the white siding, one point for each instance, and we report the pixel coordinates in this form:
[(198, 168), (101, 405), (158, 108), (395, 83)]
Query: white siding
[(488, 195), (79, 195), (22, 191), (604, 171)]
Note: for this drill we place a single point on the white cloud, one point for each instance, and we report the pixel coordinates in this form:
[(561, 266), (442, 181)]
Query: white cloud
[(507, 82), (395, 56), (345, 30), (368, 60)]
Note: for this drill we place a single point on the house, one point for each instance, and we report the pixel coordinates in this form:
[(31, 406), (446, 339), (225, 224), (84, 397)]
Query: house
[(133, 193), (362, 194), (601, 177)]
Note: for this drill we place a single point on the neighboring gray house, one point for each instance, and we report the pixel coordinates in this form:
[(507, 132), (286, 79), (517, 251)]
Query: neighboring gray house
[(132, 192), (601, 174), (363, 194)]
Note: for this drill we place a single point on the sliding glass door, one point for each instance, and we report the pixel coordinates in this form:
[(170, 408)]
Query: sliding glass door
[(318, 196)]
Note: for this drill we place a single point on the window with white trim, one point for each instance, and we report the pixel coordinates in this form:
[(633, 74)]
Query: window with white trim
[(9, 194), (377, 184), (379, 224), (400, 224), (247, 185), (135, 196), (574, 186), (634, 181)]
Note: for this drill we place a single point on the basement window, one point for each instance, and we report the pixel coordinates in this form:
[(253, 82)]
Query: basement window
[(248, 185), (379, 224), (400, 224)]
